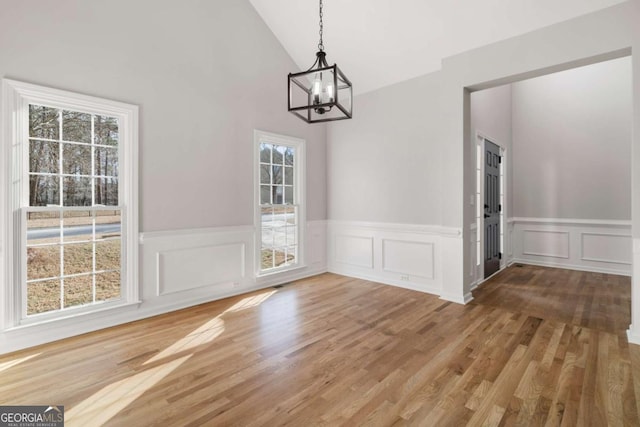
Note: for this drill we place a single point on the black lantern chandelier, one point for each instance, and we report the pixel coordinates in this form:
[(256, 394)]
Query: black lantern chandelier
[(322, 93)]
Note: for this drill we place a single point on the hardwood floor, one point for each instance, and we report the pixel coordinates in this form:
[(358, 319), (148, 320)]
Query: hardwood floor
[(536, 347), (593, 300)]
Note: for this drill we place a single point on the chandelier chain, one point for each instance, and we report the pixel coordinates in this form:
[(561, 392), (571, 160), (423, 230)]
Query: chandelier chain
[(321, 44)]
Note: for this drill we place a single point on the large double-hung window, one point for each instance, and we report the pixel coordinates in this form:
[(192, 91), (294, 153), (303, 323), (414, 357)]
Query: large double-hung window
[(71, 224)]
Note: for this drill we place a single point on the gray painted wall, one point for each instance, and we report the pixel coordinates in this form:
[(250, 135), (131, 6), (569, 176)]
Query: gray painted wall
[(385, 163), (572, 143), (571, 133), (205, 74)]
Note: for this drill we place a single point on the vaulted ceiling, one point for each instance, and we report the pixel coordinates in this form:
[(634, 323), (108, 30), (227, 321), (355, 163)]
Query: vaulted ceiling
[(380, 42)]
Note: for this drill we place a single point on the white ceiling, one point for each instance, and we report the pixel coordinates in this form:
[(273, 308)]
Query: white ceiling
[(380, 42)]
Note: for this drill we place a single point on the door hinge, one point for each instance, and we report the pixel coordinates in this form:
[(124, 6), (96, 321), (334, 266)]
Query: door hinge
[(499, 159), (499, 255), (499, 208)]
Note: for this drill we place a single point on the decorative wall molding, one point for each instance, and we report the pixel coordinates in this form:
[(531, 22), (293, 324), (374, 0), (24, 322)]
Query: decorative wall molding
[(150, 235), (406, 228), (191, 268), (606, 247), (407, 257), (179, 269), (356, 251), (316, 256), (602, 246), (545, 243), (404, 255)]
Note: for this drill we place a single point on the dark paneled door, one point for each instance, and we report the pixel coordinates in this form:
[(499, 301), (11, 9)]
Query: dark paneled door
[(492, 208)]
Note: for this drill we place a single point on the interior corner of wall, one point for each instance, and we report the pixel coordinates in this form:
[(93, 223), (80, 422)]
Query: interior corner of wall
[(633, 335)]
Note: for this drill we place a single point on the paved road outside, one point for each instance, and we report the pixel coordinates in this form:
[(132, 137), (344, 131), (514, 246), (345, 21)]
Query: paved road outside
[(275, 234), (76, 230)]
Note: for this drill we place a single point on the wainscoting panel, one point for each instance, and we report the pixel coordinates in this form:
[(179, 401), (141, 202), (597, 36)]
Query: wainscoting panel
[(317, 244), (191, 268), (207, 264), (356, 251), (607, 247), (408, 258), (589, 245), (404, 255), (213, 262), (553, 244)]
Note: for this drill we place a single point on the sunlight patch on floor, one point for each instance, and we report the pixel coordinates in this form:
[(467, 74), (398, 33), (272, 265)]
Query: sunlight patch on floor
[(106, 403), (250, 302), (203, 335), (209, 331), (109, 401), (6, 365)]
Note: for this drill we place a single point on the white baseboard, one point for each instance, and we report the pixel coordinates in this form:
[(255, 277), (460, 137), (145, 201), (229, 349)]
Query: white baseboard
[(180, 269), (591, 269), (602, 246), (633, 336), (33, 335), (377, 279), (467, 298), (477, 283)]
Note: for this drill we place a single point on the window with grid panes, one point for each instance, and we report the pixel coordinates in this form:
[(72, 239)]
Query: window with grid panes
[(73, 243), (279, 203), (73, 248)]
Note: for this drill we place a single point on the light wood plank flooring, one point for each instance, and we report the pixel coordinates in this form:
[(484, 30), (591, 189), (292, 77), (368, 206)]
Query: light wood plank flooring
[(537, 347), (593, 300)]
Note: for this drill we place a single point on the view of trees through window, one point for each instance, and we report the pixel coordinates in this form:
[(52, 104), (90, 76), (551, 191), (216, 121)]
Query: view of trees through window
[(278, 206), (73, 222)]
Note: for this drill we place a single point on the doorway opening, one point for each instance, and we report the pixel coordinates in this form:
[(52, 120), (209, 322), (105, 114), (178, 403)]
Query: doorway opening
[(562, 186)]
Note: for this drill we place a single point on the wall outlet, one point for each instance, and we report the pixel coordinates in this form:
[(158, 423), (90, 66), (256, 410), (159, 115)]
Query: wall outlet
[(404, 277), (235, 285)]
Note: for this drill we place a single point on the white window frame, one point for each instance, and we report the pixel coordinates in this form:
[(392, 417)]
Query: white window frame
[(14, 159), (299, 172)]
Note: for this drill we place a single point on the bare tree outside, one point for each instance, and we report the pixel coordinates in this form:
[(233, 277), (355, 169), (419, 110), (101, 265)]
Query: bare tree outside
[(73, 256), (277, 206)]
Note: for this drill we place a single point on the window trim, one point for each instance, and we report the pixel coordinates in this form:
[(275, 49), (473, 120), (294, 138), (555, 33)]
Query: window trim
[(300, 195), (16, 97)]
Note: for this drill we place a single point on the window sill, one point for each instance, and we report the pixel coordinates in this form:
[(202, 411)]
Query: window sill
[(293, 268), (34, 323)]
